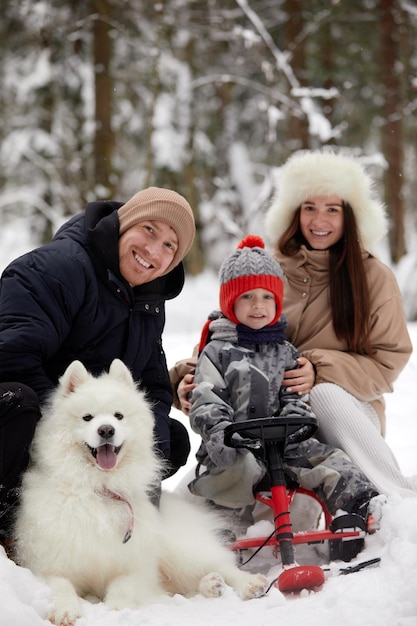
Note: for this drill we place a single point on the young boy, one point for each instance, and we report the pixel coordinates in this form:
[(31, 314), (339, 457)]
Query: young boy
[(242, 360)]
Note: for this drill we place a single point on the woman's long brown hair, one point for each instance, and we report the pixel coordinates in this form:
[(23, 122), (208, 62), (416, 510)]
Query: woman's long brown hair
[(349, 292)]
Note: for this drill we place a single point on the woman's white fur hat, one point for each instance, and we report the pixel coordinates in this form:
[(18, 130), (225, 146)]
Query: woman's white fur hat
[(320, 173)]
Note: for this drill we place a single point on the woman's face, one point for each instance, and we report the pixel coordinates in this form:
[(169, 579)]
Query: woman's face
[(321, 221)]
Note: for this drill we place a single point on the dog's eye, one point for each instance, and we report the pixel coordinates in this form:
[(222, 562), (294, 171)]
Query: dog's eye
[(118, 416), (88, 417)]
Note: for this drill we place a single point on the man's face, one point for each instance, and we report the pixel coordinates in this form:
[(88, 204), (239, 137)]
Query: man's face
[(146, 250)]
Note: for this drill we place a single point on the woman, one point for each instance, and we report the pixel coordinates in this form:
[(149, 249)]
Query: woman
[(344, 307)]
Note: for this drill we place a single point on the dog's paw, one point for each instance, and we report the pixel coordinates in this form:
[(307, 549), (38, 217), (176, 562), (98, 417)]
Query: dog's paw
[(66, 606), (212, 585), (255, 587), (64, 617)]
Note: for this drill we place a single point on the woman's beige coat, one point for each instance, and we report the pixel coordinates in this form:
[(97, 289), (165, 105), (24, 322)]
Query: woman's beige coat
[(310, 328)]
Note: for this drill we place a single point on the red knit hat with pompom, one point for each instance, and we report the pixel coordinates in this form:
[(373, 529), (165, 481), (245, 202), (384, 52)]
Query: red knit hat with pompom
[(249, 267)]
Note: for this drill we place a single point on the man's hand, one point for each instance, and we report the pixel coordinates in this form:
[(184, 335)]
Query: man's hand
[(184, 388)]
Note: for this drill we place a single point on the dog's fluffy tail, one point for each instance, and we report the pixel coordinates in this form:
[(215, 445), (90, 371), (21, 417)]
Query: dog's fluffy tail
[(193, 552)]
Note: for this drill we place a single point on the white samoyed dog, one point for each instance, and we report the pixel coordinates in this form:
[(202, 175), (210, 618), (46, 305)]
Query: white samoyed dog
[(86, 523)]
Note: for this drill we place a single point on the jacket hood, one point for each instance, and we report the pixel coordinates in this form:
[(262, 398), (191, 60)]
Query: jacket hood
[(317, 173), (97, 230)]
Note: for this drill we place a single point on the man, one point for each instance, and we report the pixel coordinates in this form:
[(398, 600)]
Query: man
[(95, 293)]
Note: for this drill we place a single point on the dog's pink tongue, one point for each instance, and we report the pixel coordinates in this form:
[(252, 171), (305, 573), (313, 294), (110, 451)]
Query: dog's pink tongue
[(106, 457)]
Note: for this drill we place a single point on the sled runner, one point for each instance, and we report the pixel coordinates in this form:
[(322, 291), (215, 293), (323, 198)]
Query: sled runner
[(267, 438)]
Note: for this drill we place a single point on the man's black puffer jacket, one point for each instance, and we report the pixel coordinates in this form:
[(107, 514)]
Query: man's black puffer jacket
[(67, 300)]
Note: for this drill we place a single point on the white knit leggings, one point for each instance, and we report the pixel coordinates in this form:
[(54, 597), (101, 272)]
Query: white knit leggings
[(353, 426)]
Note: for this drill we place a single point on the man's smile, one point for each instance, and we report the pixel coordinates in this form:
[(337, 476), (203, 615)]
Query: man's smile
[(142, 261)]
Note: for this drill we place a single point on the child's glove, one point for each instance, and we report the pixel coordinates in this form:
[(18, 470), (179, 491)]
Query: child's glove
[(221, 455), (296, 409)]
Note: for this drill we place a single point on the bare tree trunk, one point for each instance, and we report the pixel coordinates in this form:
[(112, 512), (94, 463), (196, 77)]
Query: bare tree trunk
[(327, 59), (104, 138), (194, 262), (392, 130), (155, 89), (298, 126)]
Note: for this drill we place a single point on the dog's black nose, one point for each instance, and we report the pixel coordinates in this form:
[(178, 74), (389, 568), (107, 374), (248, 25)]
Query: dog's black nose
[(106, 431)]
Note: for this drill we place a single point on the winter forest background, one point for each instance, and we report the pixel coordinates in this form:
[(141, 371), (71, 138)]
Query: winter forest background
[(100, 98)]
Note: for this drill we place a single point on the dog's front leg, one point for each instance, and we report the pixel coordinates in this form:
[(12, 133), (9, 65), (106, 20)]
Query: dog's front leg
[(133, 591), (66, 608)]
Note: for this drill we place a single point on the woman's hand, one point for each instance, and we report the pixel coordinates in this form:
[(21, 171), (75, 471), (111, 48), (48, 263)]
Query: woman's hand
[(184, 388), (301, 379)]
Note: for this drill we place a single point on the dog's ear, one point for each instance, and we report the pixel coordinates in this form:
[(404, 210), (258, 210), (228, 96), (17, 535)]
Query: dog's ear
[(119, 371), (74, 375)]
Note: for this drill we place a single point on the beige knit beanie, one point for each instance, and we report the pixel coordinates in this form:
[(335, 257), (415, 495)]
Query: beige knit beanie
[(164, 205)]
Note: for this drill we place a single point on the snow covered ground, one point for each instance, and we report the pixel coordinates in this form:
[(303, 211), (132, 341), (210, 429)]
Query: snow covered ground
[(380, 596)]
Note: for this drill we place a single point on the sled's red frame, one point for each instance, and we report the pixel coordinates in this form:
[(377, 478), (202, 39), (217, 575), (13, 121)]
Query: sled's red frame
[(309, 537)]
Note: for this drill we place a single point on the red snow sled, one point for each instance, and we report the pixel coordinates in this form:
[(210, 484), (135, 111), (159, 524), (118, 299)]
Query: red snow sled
[(266, 438)]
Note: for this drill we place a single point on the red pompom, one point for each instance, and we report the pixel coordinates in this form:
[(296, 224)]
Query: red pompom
[(251, 241)]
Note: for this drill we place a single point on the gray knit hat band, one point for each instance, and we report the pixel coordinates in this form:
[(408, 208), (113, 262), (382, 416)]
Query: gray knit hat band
[(249, 262)]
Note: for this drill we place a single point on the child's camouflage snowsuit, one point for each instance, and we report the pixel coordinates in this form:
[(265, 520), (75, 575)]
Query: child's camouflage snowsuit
[(235, 383)]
